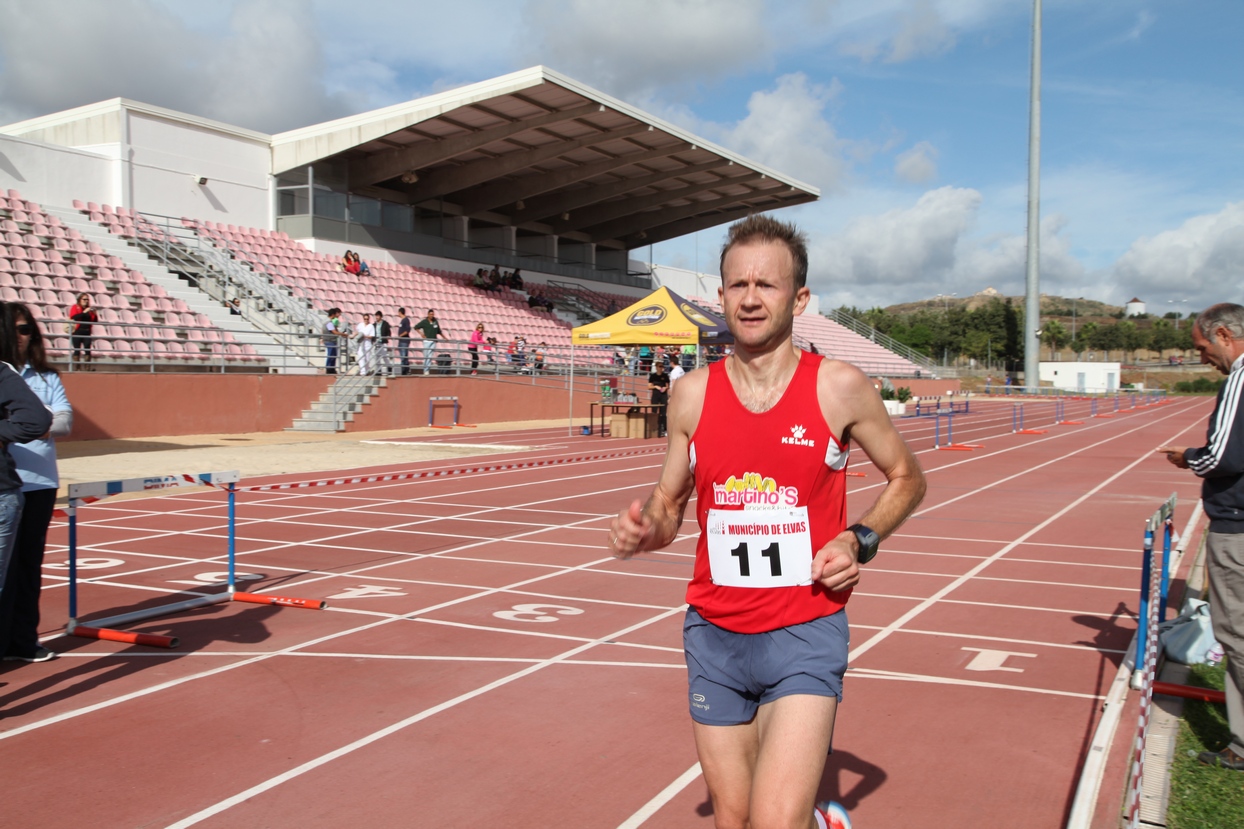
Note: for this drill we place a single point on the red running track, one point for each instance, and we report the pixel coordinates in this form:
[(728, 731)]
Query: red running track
[(484, 662)]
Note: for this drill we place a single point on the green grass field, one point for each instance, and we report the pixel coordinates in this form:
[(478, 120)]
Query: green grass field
[(1204, 797)]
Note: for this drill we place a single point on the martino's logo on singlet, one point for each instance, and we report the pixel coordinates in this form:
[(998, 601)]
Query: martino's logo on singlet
[(797, 439), (751, 489)]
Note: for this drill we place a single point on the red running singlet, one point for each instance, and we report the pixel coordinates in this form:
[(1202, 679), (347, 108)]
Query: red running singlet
[(770, 492)]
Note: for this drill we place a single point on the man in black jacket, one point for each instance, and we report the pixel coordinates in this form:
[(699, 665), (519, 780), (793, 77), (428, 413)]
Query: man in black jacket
[(1218, 335), (383, 332)]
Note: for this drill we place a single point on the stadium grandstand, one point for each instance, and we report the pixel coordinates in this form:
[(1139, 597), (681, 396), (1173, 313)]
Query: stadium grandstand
[(209, 248)]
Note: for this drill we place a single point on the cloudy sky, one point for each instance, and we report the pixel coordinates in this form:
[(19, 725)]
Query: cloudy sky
[(910, 115)]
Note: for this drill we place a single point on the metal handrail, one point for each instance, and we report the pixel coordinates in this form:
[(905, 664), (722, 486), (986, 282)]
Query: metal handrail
[(884, 340)]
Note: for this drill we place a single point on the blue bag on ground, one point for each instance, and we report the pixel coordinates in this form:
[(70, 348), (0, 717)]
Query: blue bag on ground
[(1189, 637)]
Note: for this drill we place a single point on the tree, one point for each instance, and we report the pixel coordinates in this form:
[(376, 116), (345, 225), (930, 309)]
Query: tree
[(1084, 338), (1131, 337), (1106, 338), (1054, 335), (1162, 336), (1013, 344)]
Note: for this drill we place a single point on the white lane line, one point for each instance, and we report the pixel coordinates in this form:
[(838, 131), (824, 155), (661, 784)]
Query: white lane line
[(870, 673), (664, 796), (325, 540), (1009, 640), (959, 582), (376, 736)]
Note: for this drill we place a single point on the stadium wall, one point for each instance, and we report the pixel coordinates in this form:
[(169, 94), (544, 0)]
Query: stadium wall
[(127, 154), (52, 175), (404, 404), (150, 405), (153, 405)]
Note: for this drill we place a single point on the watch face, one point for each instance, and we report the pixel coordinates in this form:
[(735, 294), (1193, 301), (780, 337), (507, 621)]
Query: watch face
[(868, 541)]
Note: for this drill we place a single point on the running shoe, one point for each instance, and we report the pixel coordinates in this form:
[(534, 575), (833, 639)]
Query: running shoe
[(833, 814), (1226, 759)]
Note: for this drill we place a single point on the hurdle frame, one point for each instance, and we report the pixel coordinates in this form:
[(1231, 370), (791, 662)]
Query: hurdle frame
[(86, 493), (432, 401)]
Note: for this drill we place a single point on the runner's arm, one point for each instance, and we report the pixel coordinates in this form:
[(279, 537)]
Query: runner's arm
[(655, 524), (855, 412)]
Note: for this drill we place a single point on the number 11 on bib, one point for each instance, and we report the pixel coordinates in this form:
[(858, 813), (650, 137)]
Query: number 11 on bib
[(760, 548)]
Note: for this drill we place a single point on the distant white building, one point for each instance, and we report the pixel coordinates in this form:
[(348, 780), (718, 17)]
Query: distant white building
[(1135, 307), (1093, 377)]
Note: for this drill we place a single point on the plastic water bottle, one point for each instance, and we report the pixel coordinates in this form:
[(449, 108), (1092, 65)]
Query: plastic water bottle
[(1214, 655)]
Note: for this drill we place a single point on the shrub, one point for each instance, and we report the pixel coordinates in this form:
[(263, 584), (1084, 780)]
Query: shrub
[(903, 394), (887, 393)]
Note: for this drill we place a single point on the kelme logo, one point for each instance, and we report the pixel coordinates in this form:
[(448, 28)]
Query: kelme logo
[(649, 315)]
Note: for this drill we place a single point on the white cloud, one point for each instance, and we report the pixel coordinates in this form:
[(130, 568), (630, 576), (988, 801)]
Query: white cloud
[(266, 71), (1198, 261), (1144, 19), (629, 48), (929, 248), (918, 165)]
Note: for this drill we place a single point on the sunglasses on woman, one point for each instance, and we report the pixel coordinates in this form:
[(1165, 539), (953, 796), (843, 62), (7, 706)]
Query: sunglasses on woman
[(25, 329)]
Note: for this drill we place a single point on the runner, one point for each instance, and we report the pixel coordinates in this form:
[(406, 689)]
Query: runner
[(761, 438)]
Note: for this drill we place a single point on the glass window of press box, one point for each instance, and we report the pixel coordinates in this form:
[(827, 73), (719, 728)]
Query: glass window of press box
[(322, 192)]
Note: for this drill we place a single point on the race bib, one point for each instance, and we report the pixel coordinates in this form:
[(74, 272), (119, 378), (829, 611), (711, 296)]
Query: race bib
[(760, 547)]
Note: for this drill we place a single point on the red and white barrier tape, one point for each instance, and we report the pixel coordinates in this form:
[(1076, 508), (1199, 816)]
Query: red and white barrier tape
[(1146, 693), (445, 473)]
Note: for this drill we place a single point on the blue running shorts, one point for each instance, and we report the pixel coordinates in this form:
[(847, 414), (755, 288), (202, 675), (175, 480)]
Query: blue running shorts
[(731, 674)]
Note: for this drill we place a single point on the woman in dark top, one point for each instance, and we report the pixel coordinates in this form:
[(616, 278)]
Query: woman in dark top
[(82, 315), (23, 417)]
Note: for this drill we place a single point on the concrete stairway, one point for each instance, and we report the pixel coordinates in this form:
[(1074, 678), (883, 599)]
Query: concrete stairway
[(279, 357), (336, 406)]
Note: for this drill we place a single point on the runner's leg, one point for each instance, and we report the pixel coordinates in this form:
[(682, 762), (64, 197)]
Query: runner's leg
[(766, 773)]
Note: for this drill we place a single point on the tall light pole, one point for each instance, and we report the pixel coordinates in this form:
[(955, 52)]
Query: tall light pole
[(1032, 304), (1178, 312)]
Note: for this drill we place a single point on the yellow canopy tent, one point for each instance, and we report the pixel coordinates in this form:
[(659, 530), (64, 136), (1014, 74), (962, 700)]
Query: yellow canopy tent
[(661, 318)]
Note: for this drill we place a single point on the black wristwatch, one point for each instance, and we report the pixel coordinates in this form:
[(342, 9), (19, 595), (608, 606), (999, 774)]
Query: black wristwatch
[(868, 540)]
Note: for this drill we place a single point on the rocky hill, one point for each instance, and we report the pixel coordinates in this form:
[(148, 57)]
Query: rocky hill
[(1050, 305)]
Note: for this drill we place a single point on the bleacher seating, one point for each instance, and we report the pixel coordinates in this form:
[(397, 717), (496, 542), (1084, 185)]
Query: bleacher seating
[(320, 279), (45, 265), (833, 340)]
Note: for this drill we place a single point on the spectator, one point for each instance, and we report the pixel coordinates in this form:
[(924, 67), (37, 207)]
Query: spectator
[(383, 332), (82, 316), (516, 280), (26, 419), (1218, 336), (481, 280), (360, 267), (477, 337), (430, 329), (489, 349), (645, 359), (520, 352), (235, 307), (688, 357), (659, 382), (347, 263), (403, 340), (332, 339), (537, 357), (676, 372), (36, 466), (366, 337)]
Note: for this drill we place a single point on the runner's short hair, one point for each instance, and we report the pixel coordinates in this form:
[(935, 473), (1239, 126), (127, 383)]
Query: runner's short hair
[(765, 228), (1226, 315)]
